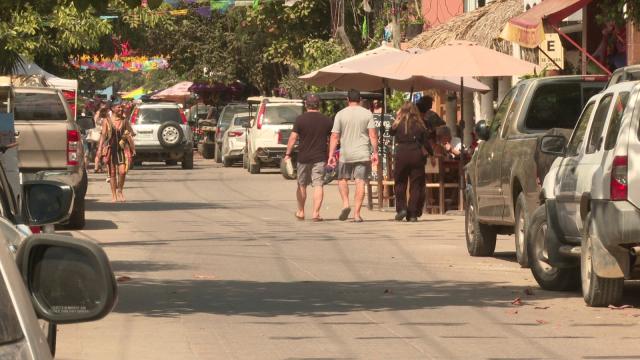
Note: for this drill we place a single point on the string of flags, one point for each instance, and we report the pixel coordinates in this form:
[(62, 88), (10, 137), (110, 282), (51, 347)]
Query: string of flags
[(119, 63)]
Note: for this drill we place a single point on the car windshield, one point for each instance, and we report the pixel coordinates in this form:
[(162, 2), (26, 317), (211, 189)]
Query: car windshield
[(230, 112), (39, 106), (158, 115), (281, 114), (238, 121), (10, 330)]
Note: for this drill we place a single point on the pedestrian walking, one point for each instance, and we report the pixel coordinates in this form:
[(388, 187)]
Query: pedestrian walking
[(312, 129), (411, 152), (116, 149), (355, 130)]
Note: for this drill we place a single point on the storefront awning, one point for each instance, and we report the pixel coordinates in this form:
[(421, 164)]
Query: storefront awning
[(527, 29)]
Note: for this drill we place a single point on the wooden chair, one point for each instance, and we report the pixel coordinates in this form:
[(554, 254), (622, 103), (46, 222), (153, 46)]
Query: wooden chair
[(439, 178), (388, 195)]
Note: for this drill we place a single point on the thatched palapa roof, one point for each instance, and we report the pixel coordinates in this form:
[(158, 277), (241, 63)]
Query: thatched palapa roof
[(482, 26)]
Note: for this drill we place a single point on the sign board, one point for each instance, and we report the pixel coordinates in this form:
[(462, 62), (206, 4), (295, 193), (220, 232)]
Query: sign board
[(552, 46)]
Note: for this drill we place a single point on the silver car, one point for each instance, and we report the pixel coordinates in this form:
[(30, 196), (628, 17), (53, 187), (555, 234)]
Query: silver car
[(162, 134)]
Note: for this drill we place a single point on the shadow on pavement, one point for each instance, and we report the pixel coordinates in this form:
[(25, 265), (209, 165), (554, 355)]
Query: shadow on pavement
[(144, 266), (172, 298), (99, 224), (151, 206)]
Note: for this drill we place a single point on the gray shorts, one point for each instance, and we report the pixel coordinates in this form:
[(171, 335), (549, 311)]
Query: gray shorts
[(354, 171), (311, 174)]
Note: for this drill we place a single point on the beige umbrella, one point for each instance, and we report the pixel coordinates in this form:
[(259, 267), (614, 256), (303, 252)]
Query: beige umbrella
[(363, 72)]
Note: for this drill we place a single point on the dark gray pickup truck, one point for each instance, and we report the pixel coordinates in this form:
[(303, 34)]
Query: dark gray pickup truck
[(505, 175)]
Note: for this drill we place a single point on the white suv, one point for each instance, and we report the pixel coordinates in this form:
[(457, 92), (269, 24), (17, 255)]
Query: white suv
[(590, 216), (266, 143), (162, 134)]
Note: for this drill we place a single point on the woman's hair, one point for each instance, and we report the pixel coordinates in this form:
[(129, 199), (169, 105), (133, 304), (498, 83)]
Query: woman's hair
[(408, 115), (104, 113)]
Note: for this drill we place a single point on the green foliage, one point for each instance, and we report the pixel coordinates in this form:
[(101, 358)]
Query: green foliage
[(614, 11)]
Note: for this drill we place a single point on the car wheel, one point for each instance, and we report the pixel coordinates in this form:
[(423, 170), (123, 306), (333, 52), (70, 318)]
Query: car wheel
[(549, 277), (84, 184), (170, 135), (77, 219), (171, 162), (208, 150), (226, 162), (481, 238), (218, 154), (597, 291), (187, 160), (522, 224), (254, 168)]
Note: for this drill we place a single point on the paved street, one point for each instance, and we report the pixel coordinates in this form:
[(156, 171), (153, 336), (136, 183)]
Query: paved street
[(219, 268)]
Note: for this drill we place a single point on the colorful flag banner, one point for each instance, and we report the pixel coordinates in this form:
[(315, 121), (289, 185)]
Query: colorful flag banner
[(124, 63)]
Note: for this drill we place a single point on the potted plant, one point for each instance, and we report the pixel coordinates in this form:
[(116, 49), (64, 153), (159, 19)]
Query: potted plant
[(415, 23)]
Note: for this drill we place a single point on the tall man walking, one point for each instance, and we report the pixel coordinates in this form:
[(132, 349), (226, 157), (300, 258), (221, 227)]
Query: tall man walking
[(313, 130), (356, 131)]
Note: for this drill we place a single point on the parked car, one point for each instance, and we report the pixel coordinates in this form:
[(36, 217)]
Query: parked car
[(55, 278), (234, 139), (222, 124), (50, 144), (265, 143), (505, 174), (589, 220), (627, 73), (162, 134)]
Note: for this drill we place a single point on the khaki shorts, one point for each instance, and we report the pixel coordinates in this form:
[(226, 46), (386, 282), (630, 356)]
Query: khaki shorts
[(354, 171), (311, 174)]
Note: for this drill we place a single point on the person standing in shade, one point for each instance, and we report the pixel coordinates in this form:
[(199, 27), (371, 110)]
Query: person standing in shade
[(411, 153), (431, 119), (312, 129), (355, 130)]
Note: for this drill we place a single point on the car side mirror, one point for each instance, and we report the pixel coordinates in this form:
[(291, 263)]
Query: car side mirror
[(46, 202), (86, 122), (482, 130), (553, 145), (70, 280)]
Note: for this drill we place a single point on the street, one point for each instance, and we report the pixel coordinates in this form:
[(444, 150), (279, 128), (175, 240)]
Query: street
[(212, 264)]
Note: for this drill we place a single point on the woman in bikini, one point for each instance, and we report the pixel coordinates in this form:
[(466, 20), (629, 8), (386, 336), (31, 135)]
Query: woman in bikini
[(117, 150)]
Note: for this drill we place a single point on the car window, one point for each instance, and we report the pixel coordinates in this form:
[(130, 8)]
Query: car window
[(555, 105), (39, 106), (10, 330), (597, 125), (229, 112), (158, 115), (281, 114), (501, 113), (238, 121), (616, 119), (580, 130), (517, 99)]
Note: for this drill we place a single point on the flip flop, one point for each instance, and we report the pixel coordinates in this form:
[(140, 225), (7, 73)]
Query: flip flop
[(318, 219), (358, 220), (301, 218), (344, 214)]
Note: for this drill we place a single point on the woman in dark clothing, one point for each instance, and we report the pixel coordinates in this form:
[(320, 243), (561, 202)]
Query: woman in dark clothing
[(117, 150), (411, 151)]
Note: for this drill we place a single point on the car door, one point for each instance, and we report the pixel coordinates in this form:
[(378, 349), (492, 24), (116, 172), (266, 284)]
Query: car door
[(581, 154), (488, 165)]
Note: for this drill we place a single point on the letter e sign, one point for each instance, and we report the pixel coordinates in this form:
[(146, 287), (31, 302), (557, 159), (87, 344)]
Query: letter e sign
[(552, 46)]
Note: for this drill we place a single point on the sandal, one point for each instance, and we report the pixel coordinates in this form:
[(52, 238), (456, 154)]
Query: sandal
[(301, 218), (358, 220), (318, 219), (344, 214)]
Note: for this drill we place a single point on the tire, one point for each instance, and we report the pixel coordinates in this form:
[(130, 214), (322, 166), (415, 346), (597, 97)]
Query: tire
[(218, 154), (286, 174), (522, 224), (187, 160), (77, 219), (170, 135), (84, 184), (245, 160), (481, 238), (226, 162), (597, 291), (208, 150), (254, 168), (548, 277), (171, 162)]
